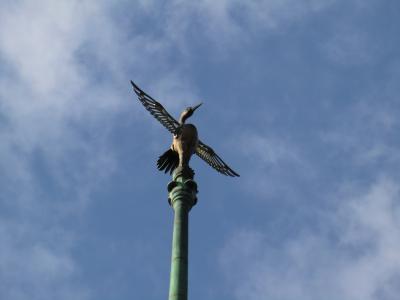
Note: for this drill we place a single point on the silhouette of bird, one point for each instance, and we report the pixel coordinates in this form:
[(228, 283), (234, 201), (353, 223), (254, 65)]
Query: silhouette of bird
[(185, 139)]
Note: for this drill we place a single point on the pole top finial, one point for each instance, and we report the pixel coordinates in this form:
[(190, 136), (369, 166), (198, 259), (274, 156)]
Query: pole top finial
[(182, 187)]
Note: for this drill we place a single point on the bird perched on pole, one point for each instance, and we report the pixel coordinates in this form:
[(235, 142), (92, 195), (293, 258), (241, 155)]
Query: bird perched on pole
[(185, 139)]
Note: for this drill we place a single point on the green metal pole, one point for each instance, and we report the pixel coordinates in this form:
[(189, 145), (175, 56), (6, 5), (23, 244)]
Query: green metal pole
[(182, 197)]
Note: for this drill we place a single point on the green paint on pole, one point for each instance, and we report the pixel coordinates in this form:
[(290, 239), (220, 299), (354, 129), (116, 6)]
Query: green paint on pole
[(182, 197)]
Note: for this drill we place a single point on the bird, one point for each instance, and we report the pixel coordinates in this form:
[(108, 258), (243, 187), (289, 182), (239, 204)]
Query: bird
[(185, 141)]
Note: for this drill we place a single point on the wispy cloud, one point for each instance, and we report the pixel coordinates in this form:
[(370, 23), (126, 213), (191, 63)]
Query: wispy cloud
[(233, 23), (366, 129), (67, 66), (349, 47), (354, 255), (274, 161), (267, 150), (44, 93), (351, 41), (35, 263)]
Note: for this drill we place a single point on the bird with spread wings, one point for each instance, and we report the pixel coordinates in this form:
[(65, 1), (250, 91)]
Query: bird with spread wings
[(185, 139)]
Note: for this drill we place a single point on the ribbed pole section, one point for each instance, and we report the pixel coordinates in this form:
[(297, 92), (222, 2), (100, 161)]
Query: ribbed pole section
[(182, 197)]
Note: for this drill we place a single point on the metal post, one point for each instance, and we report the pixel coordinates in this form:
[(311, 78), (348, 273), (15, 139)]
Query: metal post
[(182, 197)]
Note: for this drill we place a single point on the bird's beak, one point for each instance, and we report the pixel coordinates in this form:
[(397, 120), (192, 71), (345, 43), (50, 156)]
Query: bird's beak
[(197, 106)]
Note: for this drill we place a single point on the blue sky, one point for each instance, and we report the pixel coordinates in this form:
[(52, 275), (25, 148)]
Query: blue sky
[(300, 97)]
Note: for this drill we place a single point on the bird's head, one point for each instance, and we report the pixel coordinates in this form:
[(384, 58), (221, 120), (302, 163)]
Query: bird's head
[(188, 112)]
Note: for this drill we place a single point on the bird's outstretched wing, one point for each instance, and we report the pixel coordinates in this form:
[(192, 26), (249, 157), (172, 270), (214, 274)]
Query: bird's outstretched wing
[(209, 156), (156, 109)]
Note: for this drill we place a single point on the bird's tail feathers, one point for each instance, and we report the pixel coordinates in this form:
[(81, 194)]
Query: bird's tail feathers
[(168, 161)]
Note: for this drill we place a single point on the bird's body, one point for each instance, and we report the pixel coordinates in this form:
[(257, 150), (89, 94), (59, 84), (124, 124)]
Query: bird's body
[(185, 141)]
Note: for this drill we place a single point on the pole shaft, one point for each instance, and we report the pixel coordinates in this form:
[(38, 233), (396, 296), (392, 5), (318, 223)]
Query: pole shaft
[(182, 197), (179, 261)]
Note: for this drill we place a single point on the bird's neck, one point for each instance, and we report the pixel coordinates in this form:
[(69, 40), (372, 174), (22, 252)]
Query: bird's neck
[(182, 119)]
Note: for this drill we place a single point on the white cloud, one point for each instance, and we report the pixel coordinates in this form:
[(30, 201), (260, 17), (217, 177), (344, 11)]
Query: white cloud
[(350, 47), (277, 165), (43, 92), (349, 41), (49, 95), (67, 66), (353, 254), (365, 130), (268, 150), (230, 23), (35, 263)]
